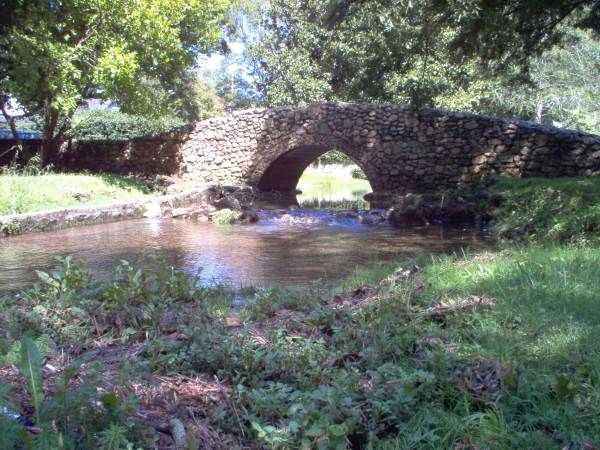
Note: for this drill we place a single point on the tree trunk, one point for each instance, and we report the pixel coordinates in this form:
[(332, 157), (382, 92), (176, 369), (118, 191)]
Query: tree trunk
[(50, 149), (56, 123), (539, 111), (11, 123), (50, 145)]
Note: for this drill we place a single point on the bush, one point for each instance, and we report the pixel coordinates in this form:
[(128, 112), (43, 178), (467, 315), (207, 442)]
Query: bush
[(358, 174), (118, 126), (225, 216), (548, 209)]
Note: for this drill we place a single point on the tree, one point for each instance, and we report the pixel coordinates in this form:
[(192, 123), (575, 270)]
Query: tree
[(453, 54), (564, 86), (504, 33), (197, 100), (6, 22), (56, 53), (380, 50)]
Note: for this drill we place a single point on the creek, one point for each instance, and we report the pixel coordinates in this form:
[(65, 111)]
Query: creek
[(289, 248)]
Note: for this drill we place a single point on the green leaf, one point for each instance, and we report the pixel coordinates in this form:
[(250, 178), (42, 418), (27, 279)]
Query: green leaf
[(31, 368)]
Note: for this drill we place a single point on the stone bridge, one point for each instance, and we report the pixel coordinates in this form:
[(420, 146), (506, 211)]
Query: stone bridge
[(399, 148)]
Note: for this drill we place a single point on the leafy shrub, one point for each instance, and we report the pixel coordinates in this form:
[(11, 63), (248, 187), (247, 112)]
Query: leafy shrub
[(358, 174), (225, 216), (118, 126), (548, 209)]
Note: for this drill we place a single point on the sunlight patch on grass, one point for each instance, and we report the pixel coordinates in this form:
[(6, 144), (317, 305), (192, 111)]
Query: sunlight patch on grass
[(330, 184), (32, 193)]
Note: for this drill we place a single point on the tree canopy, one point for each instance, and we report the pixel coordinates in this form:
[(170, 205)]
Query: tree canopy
[(478, 55), (56, 53), (508, 32)]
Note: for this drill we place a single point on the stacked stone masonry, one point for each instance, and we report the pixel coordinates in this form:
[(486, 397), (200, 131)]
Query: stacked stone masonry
[(399, 148)]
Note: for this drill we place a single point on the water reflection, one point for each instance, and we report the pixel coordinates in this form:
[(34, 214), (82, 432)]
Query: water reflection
[(271, 252)]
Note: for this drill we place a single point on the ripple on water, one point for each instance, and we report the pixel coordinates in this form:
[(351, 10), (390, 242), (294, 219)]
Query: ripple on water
[(290, 248)]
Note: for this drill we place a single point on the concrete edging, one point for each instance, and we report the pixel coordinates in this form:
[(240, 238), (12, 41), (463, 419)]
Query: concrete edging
[(17, 224)]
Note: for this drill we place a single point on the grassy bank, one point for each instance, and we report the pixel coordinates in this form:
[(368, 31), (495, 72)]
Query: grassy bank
[(31, 193), (495, 350), (548, 209)]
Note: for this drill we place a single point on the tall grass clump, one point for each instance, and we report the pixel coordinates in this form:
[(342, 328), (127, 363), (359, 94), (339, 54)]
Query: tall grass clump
[(548, 209)]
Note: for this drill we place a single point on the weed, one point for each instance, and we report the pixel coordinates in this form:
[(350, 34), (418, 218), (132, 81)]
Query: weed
[(225, 216), (548, 209), (82, 417)]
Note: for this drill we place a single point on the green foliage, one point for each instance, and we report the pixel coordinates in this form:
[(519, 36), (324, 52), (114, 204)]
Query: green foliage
[(358, 174), (66, 418), (431, 53), (56, 54), (334, 157), (316, 50), (542, 209), (118, 126), (67, 305), (31, 368), (225, 216), (202, 100), (502, 34), (13, 354), (560, 90)]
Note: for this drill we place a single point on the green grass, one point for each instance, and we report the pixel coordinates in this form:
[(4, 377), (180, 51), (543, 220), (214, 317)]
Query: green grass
[(31, 193), (314, 181), (381, 370), (320, 185), (543, 329), (548, 209)]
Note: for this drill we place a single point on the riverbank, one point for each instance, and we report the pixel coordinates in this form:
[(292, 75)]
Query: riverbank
[(184, 204), (491, 350), (21, 194)]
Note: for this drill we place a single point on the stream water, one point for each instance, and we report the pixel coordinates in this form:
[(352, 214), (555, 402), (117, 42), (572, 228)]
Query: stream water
[(287, 248)]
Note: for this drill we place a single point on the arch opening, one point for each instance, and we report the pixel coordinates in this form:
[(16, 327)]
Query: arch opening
[(328, 178)]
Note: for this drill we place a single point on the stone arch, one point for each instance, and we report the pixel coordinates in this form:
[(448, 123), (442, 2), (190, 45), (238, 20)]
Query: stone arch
[(285, 171), (400, 148)]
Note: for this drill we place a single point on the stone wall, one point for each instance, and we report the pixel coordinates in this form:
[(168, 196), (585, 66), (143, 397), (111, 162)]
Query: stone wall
[(146, 156), (399, 148), (31, 147)]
